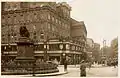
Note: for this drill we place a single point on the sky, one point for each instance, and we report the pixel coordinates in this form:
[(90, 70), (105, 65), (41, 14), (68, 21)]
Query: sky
[(99, 16)]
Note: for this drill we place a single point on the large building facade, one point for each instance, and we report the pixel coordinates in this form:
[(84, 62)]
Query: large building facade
[(48, 22), (96, 52)]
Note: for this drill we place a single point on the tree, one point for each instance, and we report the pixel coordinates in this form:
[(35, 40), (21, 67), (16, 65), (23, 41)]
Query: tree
[(114, 47)]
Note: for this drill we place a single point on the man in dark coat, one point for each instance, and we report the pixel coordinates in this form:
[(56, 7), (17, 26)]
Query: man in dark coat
[(83, 69), (65, 65)]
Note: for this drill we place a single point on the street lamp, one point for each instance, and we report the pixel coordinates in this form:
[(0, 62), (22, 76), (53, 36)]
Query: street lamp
[(61, 48), (63, 53), (46, 47)]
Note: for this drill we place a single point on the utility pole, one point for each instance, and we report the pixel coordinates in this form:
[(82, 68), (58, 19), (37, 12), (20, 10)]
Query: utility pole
[(104, 47)]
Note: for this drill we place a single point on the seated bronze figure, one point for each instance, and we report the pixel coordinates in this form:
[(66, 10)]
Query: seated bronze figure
[(24, 32)]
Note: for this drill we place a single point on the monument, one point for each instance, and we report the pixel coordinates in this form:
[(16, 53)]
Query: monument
[(25, 57), (25, 48), (25, 62)]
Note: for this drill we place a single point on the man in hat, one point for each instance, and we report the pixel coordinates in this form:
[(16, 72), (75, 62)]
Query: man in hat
[(83, 69)]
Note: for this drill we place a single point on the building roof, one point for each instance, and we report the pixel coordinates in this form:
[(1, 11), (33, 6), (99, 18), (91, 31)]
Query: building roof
[(76, 23)]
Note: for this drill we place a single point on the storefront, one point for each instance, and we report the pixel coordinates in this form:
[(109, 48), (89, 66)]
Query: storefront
[(54, 50)]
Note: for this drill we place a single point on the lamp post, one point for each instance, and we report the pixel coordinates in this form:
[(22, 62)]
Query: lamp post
[(104, 49), (61, 48), (46, 47)]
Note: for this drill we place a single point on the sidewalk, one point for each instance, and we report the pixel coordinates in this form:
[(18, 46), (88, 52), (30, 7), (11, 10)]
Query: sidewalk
[(78, 66)]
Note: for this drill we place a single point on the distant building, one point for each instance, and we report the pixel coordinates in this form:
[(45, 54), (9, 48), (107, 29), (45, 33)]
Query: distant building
[(96, 52), (90, 42), (46, 21), (89, 47), (106, 52)]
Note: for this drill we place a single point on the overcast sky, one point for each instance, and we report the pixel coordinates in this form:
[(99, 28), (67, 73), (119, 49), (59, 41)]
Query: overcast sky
[(100, 17)]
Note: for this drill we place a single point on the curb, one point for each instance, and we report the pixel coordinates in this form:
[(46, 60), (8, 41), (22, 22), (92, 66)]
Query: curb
[(43, 75)]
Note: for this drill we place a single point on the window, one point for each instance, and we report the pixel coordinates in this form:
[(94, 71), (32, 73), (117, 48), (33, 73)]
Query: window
[(8, 7), (73, 47), (53, 29), (2, 48), (53, 19), (38, 47), (34, 27), (41, 47), (34, 35), (29, 17), (42, 36), (48, 16), (14, 48), (67, 46), (5, 48), (3, 21), (56, 20), (59, 21), (35, 17), (15, 6), (54, 47), (3, 39), (15, 28), (42, 16), (48, 26)]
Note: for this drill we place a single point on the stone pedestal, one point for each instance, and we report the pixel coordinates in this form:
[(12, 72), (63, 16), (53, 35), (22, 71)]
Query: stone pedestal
[(25, 56), (25, 49)]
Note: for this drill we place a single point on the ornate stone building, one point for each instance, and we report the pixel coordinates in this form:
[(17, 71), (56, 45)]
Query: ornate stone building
[(48, 22)]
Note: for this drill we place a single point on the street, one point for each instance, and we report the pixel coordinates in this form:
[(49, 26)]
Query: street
[(74, 71), (97, 71)]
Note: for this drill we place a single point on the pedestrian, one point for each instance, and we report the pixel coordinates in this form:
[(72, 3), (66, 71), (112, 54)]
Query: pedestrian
[(90, 65), (83, 69), (65, 65), (114, 64)]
